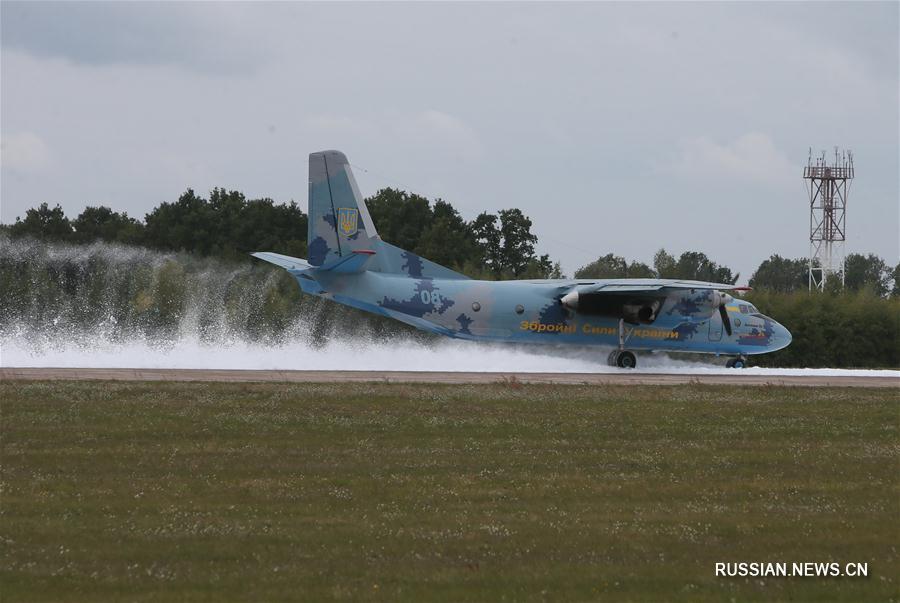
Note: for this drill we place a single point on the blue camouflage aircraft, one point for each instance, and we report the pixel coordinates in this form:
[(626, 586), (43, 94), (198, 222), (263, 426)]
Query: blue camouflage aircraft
[(349, 263)]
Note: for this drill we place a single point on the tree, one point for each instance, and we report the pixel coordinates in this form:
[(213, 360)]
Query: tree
[(867, 271), (518, 241), (691, 265), (895, 292), (488, 242), (400, 218), (607, 266), (781, 274), (695, 266), (664, 265), (447, 240), (556, 271), (640, 270), (508, 251), (540, 267), (265, 224), (615, 266), (102, 223), (43, 223), (227, 225), (184, 225), (517, 251)]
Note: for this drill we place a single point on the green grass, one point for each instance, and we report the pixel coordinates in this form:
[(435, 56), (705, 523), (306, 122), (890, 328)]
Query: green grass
[(148, 491)]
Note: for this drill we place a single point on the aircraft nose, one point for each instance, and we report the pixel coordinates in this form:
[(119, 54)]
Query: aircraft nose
[(781, 337)]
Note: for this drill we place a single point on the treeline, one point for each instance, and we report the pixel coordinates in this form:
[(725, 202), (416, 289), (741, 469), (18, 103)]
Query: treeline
[(777, 274), (691, 265), (861, 272), (492, 246), (230, 226), (226, 225)]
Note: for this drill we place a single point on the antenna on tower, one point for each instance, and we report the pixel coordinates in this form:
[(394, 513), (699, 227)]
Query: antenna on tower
[(828, 186)]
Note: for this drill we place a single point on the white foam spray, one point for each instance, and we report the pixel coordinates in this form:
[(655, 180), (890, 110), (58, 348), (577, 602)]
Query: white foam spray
[(352, 354), (113, 306)]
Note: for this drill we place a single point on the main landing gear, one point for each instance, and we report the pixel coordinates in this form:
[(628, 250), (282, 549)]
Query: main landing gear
[(738, 363), (621, 357)]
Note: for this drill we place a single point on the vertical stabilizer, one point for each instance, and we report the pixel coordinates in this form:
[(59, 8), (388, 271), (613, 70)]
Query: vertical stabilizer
[(342, 237), (339, 223)]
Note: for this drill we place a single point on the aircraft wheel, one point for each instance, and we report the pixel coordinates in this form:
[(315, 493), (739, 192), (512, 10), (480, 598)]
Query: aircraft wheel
[(611, 360), (738, 363), (626, 359)]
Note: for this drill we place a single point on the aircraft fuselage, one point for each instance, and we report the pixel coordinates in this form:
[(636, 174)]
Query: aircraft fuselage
[(531, 312)]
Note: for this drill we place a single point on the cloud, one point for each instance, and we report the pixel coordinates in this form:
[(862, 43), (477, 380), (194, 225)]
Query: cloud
[(752, 157), (426, 130), (448, 130), (329, 122), (206, 37), (24, 152)]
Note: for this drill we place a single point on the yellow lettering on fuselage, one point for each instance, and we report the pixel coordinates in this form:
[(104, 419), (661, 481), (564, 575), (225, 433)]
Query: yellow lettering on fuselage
[(589, 329), (542, 327)]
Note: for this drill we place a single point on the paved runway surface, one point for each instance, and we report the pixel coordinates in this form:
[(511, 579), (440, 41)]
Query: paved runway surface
[(618, 378)]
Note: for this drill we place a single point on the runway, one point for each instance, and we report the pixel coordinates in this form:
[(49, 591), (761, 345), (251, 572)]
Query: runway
[(443, 377)]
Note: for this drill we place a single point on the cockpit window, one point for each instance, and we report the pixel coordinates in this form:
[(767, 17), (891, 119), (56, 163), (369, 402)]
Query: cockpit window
[(753, 309), (744, 308)]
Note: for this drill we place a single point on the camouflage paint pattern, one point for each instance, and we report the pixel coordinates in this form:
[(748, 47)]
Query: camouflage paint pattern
[(350, 264)]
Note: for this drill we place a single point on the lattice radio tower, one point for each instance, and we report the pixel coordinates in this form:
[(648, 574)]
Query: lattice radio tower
[(828, 186)]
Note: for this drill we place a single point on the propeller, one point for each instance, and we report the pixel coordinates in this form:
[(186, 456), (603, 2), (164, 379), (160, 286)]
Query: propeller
[(725, 319), (720, 300)]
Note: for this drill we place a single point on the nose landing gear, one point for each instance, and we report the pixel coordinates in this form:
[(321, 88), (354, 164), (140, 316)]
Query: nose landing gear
[(738, 363)]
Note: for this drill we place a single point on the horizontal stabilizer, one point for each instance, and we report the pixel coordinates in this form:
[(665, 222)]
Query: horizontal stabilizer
[(285, 261)]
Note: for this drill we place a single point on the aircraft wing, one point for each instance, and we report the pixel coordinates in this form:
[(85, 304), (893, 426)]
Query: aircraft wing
[(638, 300), (649, 286)]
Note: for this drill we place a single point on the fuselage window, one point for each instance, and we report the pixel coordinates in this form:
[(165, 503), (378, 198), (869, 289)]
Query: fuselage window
[(520, 308), (476, 306)]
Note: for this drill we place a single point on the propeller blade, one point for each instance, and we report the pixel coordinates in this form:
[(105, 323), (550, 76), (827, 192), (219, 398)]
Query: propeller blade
[(725, 319)]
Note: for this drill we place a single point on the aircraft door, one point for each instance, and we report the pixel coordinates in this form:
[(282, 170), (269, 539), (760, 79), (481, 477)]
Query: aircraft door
[(715, 327)]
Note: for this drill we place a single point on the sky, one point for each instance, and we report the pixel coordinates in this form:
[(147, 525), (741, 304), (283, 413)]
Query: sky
[(617, 128)]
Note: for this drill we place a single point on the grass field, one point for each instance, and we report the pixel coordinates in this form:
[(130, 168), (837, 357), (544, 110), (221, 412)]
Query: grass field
[(149, 491)]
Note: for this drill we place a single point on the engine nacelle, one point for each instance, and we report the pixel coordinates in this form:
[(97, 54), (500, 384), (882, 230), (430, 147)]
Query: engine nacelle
[(640, 313), (570, 300), (593, 304)]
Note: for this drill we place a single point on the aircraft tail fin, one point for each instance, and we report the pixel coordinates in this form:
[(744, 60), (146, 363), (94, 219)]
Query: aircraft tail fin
[(339, 223), (342, 236)]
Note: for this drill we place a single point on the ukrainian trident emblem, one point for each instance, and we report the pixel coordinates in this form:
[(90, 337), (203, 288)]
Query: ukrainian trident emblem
[(347, 220)]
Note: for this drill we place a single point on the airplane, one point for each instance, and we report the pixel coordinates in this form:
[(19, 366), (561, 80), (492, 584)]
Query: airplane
[(350, 264)]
